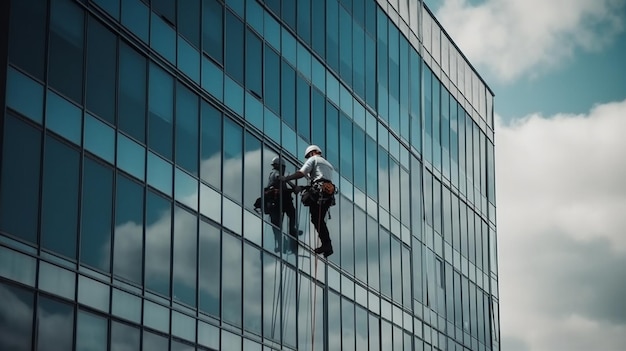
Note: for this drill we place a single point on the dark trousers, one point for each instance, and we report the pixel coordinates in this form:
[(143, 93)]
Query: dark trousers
[(318, 218), (276, 216)]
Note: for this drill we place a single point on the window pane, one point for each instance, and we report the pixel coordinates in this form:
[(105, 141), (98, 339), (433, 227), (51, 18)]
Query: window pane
[(100, 75), (135, 16), (24, 95), (288, 94), (189, 20), (209, 269), (91, 333), (233, 163), (154, 342), (233, 48), (27, 35), (16, 318), (231, 284), (185, 257), (163, 37), (55, 322), (127, 254), (60, 198), (124, 337), (19, 190), (252, 289), (304, 108), (211, 157), (63, 117), (187, 119), (158, 243), (271, 294), (212, 28), (254, 63), (332, 34), (132, 93), (272, 83), (95, 243), (161, 106), (65, 70)]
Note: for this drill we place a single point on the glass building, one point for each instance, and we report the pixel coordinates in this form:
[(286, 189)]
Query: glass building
[(136, 136)]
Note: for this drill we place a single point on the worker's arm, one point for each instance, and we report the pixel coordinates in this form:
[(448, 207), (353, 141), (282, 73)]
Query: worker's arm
[(296, 175)]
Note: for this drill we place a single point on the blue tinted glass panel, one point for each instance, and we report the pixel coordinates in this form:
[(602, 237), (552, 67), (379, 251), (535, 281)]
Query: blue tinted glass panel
[(112, 7), (332, 135), (272, 31), (131, 157), (63, 117), (212, 78), (288, 13), (370, 66), (65, 57), (345, 45), (209, 272), (100, 73), (163, 38), (288, 94), (18, 331), (96, 216), (288, 49), (128, 235), (254, 64), (318, 117), (332, 34), (158, 243), (136, 16), (160, 173), (271, 125), (189, 20), (185, 257), (254, 111), (345, 138), (272, 83), (188, 60), (233, 162), (211, 145), (332, 88), (91, 332), (252, 289), (19, 190), (289, 141), (60, 198), (213, 29), (233, 96), (154, 342), (28, 25), (303, 106), (18, 267), (233, 47), (318, 75), (132, 93), (99, 138), (383, 63), (232, 289), (318, 20), (124, 337), (359, 157), (186, 189), (24, 95), (304, 19), (394, 77), (255, 16), (358, 60), (165, 8), (237, 6), (52, 335), (187, 126), (161, 108)]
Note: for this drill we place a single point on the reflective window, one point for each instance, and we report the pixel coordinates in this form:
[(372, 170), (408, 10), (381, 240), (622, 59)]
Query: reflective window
[(303, 107), (271, 297), (135, 16), (63, 117), (254, 63), (188, 59), (347, 235), (65, 53), (252, 170), (345, 45), (187, 119), (55, 325), (24, 95), (370, 66), (332, 34), (186, 189), (165, 8), (16, 318), (374, 333), (28, 25), (99, 138), (179, 346), (428, 114), (188, 24), (318, 37), (185, 257), (100, 72), (213, 29), (158, 243), (96, 216), (211, 145), (209, 271), (233, 163), (17, 266), (415, 90), (396, 269), (128, 235), (334, 320), (331, 152), (272, 83), (127, 306), (347, 325), (132, 93), (91, 332), (233, 47), (383, 65), (252, 289), (318, 118), (154, 342), (360, 245), (124, 337), (60, 198), (131, 156), (161, 107), (373, 277), (212, 78), (19, 189), (288, 94), (231, 282), (160, 173), (93, 293), (234, 96), (406, 277)]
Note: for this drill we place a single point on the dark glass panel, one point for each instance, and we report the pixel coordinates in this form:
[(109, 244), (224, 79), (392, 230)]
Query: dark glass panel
[(396, 269), (415, 100), (213, 29), (209, 271), (161, 107), (406, 277), (373, 255), (233, 47), (370, 17), (334, 321), (19, 189), (358, 160), (345, 45), (360, 245), (332, 34), (91, 332), (65, 56), (27, 35), (55, 325), (303, 107), (362, 335), (254, 63), (318, 119), (370, 67), (371, 163), (16, 318), (97, 215), (383, 65), (288, 13), (185, 257), (332, 135), (154, 342), (304, 19), (416, 250), (158, 243), (189, 20), (253, 176), (318, 20), (394, 77), (358, 60), (385, 262), (272, 310), (274, 5), (288, 94), (289, 280), (166, 8), (347, 235), (187, 122), (100, 75), (124, 337), (128, 235), (211, 145), (347, 325), (383, 178), (272, 83), (231, 282), (132, 93), (60, 198)]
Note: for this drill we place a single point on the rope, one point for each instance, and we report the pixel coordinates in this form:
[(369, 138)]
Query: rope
[(319, 221)]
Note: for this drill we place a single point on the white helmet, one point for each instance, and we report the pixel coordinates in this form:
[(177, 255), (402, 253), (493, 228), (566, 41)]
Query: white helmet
[(312, 148), (277, 161)]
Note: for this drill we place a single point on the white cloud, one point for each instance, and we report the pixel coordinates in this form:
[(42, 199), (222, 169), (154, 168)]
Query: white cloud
[(515, 38), (561, 204)]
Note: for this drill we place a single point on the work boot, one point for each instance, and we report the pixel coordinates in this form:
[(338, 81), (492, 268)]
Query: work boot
[(295, 232), (327, 250)]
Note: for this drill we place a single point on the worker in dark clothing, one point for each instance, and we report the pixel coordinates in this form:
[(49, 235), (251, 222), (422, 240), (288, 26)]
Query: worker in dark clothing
[(319, 196), (278, 195)]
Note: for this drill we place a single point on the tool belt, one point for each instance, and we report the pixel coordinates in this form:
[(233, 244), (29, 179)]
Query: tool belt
[(321, 191)]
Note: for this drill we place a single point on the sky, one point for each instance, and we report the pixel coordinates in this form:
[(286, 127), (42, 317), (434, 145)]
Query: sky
[(558, 72)]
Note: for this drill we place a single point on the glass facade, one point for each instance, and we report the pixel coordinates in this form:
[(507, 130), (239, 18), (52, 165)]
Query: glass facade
[(136, 136)]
